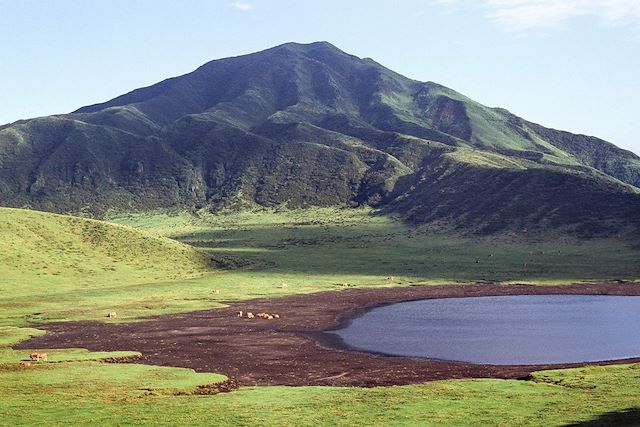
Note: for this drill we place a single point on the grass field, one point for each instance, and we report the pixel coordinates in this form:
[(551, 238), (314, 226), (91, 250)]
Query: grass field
[(327, 246), (62, 268)]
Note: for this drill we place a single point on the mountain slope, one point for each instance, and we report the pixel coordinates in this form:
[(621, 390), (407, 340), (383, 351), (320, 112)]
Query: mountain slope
[(311, 125)]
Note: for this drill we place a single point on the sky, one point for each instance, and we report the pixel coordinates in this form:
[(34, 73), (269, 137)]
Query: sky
[(568, 64)]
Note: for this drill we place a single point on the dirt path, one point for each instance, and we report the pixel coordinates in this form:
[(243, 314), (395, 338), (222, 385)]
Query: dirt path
[(281, 352)]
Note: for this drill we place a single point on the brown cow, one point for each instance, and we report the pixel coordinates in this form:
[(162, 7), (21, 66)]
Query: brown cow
[(250, 315), (38, 356), (25, 364), (264, 315)]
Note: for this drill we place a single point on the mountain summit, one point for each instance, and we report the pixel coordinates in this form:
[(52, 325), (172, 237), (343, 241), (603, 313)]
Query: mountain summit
[(308, 124)]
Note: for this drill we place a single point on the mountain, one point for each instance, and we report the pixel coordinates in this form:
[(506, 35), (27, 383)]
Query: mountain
[(308, 124)]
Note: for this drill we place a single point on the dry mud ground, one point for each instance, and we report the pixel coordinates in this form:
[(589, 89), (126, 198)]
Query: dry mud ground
[(283, 352)]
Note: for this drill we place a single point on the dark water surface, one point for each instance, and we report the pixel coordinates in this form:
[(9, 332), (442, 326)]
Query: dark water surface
[(505, 330)]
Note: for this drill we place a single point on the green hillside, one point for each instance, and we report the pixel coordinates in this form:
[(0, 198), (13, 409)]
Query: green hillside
[(55, 266)]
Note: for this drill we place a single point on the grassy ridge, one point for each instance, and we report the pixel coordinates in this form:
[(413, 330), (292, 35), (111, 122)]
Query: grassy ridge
[(51, 265)]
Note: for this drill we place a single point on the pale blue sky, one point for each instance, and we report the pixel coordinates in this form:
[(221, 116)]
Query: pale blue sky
[(567, 64)]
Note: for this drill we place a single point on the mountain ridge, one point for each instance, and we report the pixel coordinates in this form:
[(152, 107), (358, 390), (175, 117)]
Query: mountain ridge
[(301, 125)]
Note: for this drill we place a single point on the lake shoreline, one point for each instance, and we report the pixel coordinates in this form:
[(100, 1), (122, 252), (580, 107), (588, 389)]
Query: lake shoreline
[(284, 352)]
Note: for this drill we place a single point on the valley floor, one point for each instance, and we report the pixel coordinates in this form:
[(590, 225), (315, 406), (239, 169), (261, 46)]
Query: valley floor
[(254, 254)]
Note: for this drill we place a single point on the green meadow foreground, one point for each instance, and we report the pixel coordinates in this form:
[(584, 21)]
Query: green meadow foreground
[(80, 391), (61, 268)]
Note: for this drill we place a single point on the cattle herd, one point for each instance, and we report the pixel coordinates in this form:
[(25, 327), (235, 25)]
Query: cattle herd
[(262, 315)]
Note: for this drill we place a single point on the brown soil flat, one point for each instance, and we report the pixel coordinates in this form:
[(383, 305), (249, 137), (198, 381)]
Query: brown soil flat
[(281, 352)]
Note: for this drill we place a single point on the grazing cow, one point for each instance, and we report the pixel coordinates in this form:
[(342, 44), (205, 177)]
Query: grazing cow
[(285, 286), (38, 356), (215, 291), (240, 313), (112, 315), (25, 364), (250, 315), (262, 315), (270, 317)]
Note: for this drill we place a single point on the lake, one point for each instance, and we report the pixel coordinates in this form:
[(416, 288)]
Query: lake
[(502, 330)]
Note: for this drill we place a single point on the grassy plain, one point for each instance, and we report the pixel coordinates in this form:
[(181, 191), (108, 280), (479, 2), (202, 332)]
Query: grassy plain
[(61, 268), (321, 247)]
